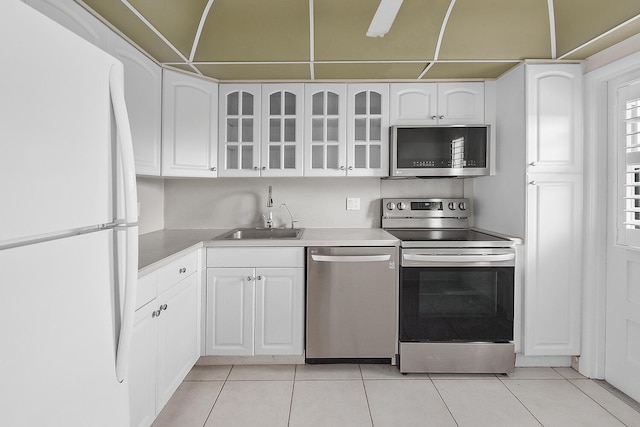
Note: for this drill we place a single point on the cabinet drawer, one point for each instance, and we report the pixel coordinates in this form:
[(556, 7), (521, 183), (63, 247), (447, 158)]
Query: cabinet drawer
[(255, 257), (147, 288), (173, 273)]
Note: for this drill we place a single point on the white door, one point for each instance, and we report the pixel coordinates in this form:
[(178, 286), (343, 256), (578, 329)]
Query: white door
[(143, 366), (143, 94), (230, 299), (189, 126), (461, 103), (58, 335), (622, 357), (413, 103), (282, 137), (279, 311), (239, 130), (325, 150), (368, 130), (178, 332), (552, 273)]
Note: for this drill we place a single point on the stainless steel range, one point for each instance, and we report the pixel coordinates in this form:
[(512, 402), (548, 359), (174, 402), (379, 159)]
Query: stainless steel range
[(456, 289)]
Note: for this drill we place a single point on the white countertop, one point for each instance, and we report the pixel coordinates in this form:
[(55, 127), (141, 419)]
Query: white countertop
[(161, 247)]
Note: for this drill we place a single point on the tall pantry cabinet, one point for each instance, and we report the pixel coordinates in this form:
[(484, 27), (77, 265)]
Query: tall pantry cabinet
[(536, 194)]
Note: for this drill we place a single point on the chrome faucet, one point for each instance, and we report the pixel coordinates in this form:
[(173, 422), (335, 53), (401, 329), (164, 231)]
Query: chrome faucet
[(293, 221), (270, 205)]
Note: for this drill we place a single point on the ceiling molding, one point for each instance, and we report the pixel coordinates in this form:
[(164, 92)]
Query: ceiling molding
[(311, 40), (440, 37), (196, 39), (552, 29), (158, 33)]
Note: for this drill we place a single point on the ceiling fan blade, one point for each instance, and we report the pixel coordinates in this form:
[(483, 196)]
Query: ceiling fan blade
[(382, 20)]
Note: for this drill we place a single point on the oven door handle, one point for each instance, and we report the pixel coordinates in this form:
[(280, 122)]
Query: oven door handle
[(351, 258), (459, 258)]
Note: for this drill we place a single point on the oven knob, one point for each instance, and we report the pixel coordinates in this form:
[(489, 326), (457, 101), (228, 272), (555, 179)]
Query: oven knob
[(452, 206), (402, 206), (391, 206), (462, 206)]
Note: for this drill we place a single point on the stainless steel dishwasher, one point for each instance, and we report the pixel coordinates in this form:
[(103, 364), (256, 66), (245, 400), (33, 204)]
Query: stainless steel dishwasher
[(351, 304)]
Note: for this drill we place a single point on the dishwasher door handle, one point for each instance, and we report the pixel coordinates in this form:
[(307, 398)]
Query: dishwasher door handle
[(351, 258)]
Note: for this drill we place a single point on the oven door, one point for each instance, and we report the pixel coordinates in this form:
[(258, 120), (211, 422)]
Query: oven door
[(454, 295)]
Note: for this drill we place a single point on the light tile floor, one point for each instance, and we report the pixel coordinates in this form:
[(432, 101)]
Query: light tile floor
[(379, 396)]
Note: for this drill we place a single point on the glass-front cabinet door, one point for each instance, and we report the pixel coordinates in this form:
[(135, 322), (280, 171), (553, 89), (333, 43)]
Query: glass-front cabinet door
[(325, 130), (368, 130), (282, 110), (239, 125)]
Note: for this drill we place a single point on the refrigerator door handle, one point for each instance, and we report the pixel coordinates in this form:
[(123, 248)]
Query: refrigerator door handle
[(125, 142), (125, 145)]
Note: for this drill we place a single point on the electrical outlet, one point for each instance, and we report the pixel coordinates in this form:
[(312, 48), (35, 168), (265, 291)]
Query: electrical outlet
[(353, 203)]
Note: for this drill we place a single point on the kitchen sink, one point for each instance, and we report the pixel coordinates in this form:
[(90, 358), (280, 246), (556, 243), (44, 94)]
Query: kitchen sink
[(262, 233)]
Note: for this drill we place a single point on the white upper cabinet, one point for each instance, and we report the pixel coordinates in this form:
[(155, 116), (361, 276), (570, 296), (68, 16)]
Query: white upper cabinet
[(460, 103), (239, 120), (189, 126), (368, 130), (282, 143), (143, 94), (437, 103), (554, 124), (413, 103), (325, 130)]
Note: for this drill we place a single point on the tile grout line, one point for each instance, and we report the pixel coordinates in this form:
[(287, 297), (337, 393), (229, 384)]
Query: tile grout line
[(366, 396), (293, 389), (595, 401), (618, 395), (443, 401), (521, 402), (217, 397)]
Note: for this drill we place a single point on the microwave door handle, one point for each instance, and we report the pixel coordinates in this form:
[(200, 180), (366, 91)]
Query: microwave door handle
[(459, 258), (350, 258)]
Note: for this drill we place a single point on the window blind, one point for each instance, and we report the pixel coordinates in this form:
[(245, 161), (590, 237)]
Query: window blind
[(631, 164)]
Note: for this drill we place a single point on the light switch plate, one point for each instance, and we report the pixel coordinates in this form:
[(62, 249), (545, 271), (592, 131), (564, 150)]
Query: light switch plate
[(353, 203)]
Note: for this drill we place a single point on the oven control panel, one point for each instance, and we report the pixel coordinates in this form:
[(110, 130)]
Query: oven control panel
[(426, 208)]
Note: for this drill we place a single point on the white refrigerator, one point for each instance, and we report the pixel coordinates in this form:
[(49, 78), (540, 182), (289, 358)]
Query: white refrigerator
[(68, 232)]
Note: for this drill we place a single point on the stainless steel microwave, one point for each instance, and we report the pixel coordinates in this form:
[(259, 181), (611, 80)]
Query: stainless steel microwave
[(439, 151)]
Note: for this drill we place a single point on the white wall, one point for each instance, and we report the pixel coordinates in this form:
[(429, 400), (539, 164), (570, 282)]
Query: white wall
[(314, 202), (151, 200)]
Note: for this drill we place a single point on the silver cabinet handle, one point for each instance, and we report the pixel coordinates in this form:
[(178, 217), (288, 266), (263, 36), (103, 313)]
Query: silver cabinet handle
[(441, 117), (156, 314), (255, 168), (163, 307), (350, 258), (212, 169), (533, 183), (350, 168), (249, 278), (434, 117), (533, 163), (264, 168), (341, 168), (259, 278), (182, 270)]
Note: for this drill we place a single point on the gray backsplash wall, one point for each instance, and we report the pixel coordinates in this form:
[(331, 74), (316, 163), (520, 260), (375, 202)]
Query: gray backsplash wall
[(314, 202)]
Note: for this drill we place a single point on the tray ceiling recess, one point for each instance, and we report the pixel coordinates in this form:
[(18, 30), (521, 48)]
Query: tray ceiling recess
[(236, 40)]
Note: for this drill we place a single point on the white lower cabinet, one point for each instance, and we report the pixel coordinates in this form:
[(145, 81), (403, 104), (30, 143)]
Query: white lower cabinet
[(166, 337), (256, 310)]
